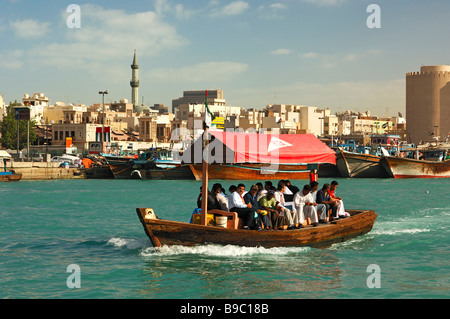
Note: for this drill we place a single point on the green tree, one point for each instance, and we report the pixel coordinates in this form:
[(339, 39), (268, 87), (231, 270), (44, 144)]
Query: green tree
[(8, 129)]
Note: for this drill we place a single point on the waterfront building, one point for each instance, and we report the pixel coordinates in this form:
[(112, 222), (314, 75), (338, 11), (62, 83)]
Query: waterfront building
[(331, 125), (193, 113), (311, 120), (215, 97), (428, 103), (56, 113), (2, 108), (37, 102), (148, 129), (81, 134)]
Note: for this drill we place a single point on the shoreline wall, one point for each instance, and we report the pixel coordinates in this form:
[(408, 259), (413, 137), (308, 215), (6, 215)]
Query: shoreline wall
[(43, 171)]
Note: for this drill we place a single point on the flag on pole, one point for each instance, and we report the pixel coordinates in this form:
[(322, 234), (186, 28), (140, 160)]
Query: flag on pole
[(209, 117)]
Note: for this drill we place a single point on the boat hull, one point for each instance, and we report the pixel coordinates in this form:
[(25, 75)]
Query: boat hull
[(356, 165), (168, 233), (398, 167), (10, 177), (99, 172), (252, 171), (127, 171)]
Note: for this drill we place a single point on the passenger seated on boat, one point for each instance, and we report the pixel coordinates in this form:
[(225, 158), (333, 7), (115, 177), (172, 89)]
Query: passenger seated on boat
[(288, 195), (305, 206), (260, 188), (212, 201), (231, 189), (269, 204), (263, 218), (238, 205), (320, 208), (292, 188), (199, 199), (267, 187), (340, 204), (291, 216), (221, 198), (323, 197)]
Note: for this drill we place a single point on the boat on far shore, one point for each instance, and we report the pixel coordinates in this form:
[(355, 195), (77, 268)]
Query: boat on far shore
[(10, 177), (433, 164), (359, 165)]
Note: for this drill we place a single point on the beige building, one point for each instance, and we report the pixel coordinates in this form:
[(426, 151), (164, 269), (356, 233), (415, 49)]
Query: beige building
[(148, 129), (2, 108), (81, 134), (428, 103), (215, 97)]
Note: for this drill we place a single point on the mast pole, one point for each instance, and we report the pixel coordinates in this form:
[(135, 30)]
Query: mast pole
[(205, 143)]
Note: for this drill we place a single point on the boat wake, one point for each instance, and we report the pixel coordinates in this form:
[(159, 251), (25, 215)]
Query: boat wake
[(221, 251), (131, 244)]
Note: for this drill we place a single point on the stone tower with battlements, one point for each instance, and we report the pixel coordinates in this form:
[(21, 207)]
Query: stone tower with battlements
[(428, 103)]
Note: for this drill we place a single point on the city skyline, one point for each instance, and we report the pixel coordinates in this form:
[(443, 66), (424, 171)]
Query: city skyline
[(309, 52)]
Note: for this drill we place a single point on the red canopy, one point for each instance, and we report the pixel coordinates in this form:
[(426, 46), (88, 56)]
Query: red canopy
[(276, 148)]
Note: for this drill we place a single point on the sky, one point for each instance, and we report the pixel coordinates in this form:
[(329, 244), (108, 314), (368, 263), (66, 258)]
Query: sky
[(307, 52)]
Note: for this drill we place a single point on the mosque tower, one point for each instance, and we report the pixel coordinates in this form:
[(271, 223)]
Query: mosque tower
[(134, 83)]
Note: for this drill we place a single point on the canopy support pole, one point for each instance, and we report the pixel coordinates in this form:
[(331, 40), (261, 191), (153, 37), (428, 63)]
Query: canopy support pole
[(203, 214)]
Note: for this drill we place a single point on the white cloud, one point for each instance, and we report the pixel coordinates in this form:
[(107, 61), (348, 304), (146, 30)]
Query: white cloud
[(201, 72), (323, 3), (107, 36), (330, 61), (29, 28), (11, 60), (234, 8), (310, 55), (281, 52), (182, 13), (278, 6)]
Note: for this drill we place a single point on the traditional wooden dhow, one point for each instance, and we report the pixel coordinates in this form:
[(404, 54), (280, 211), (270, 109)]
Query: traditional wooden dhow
[(247, 171), (163, 232), (359, 165), (399, 167)]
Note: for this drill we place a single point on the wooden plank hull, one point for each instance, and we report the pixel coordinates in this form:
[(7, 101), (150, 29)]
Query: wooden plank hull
[(10, 177), (252, 171), (399, 167), (356, 165), (169, 233), (99, 172), (126, 171)]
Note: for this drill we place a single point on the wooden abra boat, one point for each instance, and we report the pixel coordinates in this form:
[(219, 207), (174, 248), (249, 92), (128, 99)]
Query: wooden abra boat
[(399, 167), (247, 171), (10, 177), (162, 232), (250, 156), (232, 148)]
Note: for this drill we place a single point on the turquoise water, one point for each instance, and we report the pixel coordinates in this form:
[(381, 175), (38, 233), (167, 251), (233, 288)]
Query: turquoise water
[(48, 225)]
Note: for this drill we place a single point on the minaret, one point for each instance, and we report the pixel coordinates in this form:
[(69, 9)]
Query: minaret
[(134, 83)]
